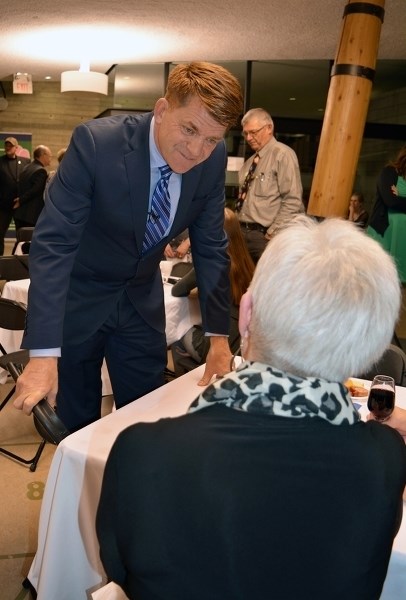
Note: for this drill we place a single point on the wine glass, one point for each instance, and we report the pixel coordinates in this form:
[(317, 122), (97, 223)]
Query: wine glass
[(381, 399)]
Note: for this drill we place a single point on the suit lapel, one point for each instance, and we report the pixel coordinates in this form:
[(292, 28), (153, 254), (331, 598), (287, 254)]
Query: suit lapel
[(138, 169)]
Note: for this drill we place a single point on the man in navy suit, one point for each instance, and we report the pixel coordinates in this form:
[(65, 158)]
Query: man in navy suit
[(94, 292)]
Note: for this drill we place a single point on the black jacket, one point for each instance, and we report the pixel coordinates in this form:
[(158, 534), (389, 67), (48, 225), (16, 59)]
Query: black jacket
[(10, 173), (32, 185), (222, 504), (385, 199)]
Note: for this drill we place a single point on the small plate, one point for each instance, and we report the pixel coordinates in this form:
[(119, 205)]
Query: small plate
[(364, 384)]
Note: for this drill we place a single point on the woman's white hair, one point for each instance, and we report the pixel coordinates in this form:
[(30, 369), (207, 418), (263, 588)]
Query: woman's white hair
[(326, 298)]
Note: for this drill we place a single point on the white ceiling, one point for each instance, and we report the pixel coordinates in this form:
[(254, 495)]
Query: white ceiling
[(45, 37)]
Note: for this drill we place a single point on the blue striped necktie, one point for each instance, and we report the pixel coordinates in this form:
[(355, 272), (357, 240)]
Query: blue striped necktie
[(158, 217)]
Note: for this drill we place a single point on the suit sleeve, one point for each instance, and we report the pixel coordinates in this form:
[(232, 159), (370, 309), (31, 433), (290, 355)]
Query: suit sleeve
[(56, 239), (209, 249)]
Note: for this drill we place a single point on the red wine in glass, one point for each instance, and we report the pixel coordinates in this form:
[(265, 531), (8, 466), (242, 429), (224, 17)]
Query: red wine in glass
[(381, 399)]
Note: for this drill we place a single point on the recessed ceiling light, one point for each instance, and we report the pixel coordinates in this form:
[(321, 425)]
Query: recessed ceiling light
[(292, 98), (48, 77)]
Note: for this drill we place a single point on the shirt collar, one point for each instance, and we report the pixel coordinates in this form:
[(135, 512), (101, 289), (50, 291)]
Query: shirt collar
[(270, 143), (155, 156)]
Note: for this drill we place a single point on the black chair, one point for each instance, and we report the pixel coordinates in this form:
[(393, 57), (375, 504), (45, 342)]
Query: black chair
[(181, 269), (392, 363), (12, 317), (14, 267), (23, 234)]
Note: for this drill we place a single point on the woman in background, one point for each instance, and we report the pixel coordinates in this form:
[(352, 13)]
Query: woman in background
[(388, 221), (191, 350), (357, 213)]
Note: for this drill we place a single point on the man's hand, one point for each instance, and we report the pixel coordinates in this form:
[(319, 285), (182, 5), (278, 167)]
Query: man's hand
[(38, 380), (183, 248), (218, 361), (169, 251)]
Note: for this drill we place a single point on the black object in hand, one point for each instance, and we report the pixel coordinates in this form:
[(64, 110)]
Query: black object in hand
[(48, 424)]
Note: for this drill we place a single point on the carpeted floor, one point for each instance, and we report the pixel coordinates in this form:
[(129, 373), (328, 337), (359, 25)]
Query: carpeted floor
[(21, 495), (21, 498)]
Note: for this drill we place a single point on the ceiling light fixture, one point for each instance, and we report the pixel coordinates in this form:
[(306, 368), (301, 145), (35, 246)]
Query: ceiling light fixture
[(84, 80)]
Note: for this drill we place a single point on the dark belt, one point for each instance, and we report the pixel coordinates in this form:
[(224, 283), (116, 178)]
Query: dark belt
[(253, 227)]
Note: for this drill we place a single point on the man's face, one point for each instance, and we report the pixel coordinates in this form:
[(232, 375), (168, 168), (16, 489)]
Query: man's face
[(354, 202), (9, 149), (46, 158), (257, 133), (185, 135)]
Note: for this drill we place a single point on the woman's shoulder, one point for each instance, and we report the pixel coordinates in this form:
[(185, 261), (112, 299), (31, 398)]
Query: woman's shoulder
[(389, 170)]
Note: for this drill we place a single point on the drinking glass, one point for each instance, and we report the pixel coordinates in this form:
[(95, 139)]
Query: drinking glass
[(381, 399)]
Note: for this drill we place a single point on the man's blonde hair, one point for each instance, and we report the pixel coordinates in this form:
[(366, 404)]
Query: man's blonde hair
[(217, 89)]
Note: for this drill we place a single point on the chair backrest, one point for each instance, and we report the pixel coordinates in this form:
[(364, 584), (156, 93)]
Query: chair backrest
[(24, 234), (14, 267), (12, 314), (392, 363), (181, 269)]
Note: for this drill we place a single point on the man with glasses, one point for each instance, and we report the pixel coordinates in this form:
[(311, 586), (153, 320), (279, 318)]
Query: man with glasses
[(270, 185)]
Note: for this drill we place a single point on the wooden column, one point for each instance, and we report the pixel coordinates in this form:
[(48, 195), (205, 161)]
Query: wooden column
[(346, 109)]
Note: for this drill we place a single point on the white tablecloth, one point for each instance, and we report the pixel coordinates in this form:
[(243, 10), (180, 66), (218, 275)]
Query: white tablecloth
[(181, 314), (67, 564)]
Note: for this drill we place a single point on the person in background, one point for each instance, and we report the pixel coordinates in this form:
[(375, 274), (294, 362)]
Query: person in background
[(271, 464), (59, 156), (96, 287), (11, 167), (357, 213), (194, 345), (30, 202), (179, 247), (388, 219), (270, 184)]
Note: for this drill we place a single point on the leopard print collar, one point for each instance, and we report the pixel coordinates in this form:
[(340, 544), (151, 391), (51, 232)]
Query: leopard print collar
[(259, 388)]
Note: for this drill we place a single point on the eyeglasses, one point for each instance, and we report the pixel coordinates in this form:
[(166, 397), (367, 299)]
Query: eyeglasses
[(254, 132)]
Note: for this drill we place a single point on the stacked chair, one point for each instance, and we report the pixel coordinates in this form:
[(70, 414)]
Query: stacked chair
[(23, 237), (14, 267)]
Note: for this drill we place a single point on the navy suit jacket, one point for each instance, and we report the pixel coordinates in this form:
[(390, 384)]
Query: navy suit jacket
[(86, 248)]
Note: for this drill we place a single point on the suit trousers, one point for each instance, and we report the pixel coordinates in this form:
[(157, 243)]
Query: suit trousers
[(136, 357)]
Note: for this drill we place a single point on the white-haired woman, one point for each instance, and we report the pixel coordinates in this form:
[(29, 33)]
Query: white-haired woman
[(271, 486)]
